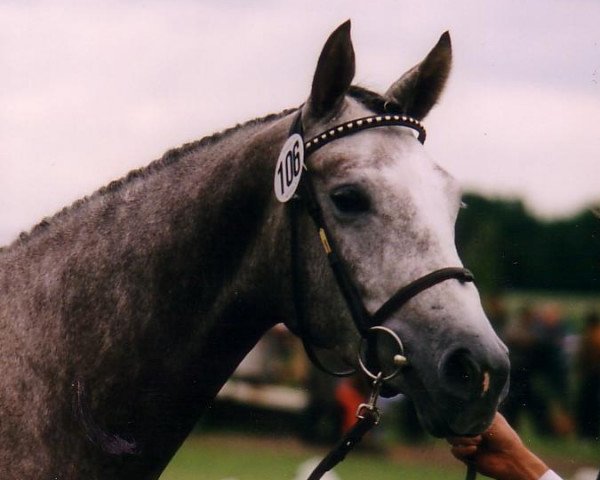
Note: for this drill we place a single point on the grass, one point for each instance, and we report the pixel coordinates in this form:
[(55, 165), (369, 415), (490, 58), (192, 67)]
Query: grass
[(234, 456), (199, 460), (563, 450), (225, 458)]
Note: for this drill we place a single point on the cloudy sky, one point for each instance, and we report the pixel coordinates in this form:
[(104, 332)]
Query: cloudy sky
[(92, 89)]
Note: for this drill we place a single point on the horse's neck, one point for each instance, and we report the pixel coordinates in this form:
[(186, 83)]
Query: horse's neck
[(149, 296)]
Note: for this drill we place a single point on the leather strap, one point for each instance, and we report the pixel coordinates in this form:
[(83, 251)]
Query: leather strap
[(407, 292), (347, 287), (345, 445), (298, 297)]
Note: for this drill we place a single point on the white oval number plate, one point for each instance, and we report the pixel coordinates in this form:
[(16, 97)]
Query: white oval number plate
[(289, 168)]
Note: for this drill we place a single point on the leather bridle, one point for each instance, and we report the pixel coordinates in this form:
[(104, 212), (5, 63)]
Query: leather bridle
[(366, 323), (306, 198)]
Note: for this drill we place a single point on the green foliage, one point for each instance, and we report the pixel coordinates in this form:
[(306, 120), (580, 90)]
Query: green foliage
[(508, 248)]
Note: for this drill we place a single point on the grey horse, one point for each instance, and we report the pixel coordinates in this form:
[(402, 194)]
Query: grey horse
[(123, 315)]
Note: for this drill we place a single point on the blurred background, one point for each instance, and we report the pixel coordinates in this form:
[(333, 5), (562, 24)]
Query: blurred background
[(90, 90)]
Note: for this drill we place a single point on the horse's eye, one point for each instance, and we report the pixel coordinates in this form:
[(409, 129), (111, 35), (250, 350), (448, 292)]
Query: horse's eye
[(350, 200)]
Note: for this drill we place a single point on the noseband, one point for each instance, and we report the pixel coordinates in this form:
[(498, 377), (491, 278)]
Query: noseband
[(306, 198)]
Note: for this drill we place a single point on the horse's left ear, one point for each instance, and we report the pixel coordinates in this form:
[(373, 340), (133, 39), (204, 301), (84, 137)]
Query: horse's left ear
[(418, 90), (334, 74)]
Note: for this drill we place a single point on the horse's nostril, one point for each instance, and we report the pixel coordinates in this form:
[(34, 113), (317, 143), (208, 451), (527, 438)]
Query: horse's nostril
[(460, 374)]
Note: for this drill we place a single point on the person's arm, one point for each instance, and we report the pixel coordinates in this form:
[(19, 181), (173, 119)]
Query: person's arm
[(499, 453)]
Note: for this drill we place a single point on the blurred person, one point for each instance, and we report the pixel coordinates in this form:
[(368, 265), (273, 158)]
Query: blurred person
[(539, 371), (499, 453), (521, 338), (551, 332), (588, 368)]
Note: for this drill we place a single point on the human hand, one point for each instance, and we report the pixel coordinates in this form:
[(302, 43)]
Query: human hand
[(498, 453)]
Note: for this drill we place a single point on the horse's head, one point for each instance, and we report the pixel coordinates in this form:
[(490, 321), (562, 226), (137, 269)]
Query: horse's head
[(391, 212)]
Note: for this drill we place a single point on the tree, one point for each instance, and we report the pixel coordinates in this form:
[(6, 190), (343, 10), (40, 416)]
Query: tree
[(507, 247)]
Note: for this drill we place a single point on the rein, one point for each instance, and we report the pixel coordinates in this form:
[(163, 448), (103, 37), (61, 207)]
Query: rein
[(366, 324)]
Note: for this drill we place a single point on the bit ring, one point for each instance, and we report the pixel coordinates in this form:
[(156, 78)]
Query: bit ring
[(399, 360)]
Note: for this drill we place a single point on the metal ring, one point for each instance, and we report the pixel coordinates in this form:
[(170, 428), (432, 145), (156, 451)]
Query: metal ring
[(364, 368)]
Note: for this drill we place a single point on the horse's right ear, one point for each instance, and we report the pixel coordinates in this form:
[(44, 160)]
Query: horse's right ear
[(419, 89), (334, 74)]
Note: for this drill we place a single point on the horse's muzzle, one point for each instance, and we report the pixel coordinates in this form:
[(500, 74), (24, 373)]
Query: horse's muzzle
[(472, 381)]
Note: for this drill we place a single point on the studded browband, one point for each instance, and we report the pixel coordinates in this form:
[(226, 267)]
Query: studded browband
[(364, 123)]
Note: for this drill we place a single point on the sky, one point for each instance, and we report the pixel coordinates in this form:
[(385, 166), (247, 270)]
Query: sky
[(92, 89)]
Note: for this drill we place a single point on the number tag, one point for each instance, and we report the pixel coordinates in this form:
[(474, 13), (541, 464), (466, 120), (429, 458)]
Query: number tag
[(289, 168)]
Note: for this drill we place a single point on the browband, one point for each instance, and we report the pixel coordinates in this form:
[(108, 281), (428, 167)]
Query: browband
[(360, 124)]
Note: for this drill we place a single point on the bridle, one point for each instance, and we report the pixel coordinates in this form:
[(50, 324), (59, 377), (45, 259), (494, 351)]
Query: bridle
[(306, 198), (368, 325)]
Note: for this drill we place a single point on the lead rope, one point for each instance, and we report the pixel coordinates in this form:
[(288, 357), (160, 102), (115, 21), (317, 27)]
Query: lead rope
[(368, 416), (471, 472)]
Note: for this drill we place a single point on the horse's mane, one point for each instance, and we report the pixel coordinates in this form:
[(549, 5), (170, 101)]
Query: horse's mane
[(370, 99), (169, 157)]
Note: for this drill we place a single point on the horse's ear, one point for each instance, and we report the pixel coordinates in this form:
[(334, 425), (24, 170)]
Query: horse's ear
[(418, 90), (334, 73)]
